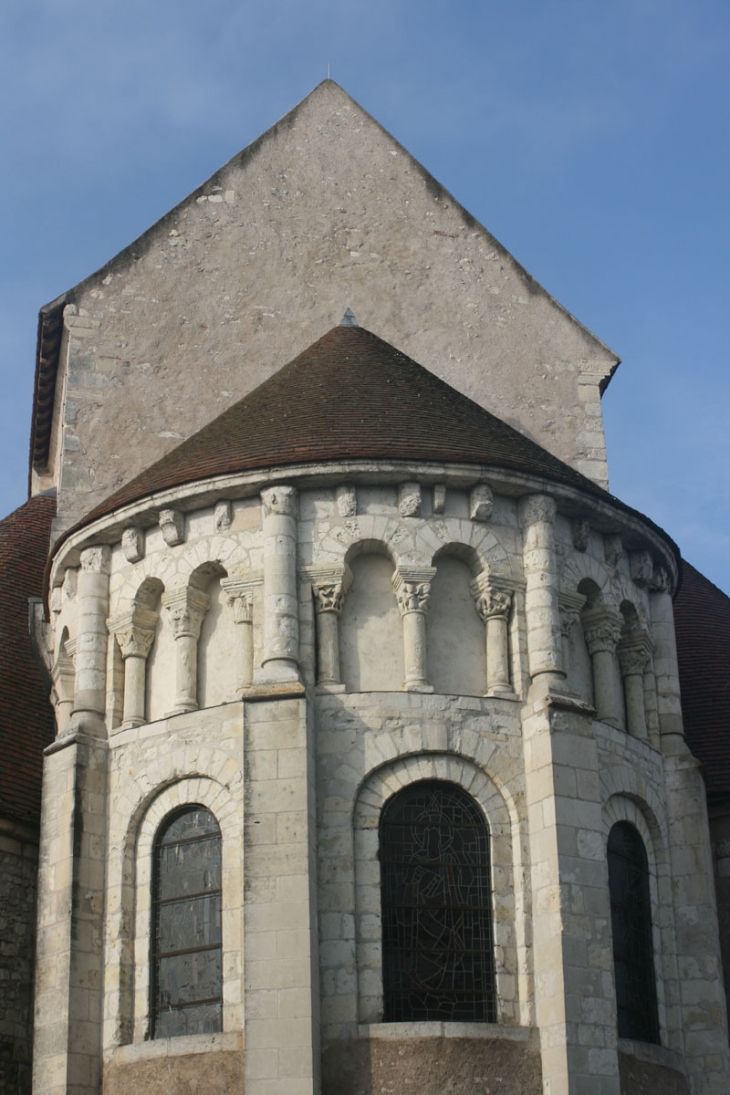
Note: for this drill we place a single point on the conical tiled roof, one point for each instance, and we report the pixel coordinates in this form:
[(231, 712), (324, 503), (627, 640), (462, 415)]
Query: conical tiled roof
[(26, 717), (702, 622), (349, 396)]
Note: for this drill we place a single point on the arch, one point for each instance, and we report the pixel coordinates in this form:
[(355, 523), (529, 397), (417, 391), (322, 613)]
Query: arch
[(506, 875), (455, 632), (629, 799), (131, 899), (186, 979), (633, 935), (438, 948), (371, 638)]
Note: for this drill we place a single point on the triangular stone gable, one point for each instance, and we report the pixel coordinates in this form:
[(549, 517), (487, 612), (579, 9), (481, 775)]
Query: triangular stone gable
[(325, 210)]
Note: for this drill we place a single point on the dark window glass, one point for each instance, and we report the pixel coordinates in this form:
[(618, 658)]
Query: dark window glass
[(186, 938), (633, 952), (436, 904)]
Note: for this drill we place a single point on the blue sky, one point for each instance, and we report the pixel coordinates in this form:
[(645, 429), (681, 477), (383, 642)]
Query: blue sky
[(591, 139)]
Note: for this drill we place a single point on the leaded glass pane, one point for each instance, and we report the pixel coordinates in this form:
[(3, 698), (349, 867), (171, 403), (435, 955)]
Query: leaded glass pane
[(633, 952), (436, 906), (186, 956)]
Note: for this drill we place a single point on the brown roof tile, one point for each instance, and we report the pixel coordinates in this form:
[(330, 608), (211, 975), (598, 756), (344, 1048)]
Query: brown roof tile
[(702, 622), (26, 719), (348, 396)]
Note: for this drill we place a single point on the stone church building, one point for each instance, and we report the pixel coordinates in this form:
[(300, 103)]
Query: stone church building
[(356, 694)]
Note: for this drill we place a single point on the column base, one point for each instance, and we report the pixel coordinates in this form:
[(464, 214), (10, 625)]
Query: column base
[(417, 686), (276, 671)]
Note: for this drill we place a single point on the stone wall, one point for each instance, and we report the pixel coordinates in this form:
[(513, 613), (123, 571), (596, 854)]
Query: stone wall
[(393, 1060), (18, 867), (325, 211)]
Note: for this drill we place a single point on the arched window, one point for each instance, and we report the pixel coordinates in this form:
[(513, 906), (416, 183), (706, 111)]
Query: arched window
[(438, 953), (186, 939), (633, 952)]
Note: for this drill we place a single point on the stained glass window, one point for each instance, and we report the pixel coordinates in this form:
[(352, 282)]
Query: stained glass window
[(186, 939), (633, 952), (438, 953)]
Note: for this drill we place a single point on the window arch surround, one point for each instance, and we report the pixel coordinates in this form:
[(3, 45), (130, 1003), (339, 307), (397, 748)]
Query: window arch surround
[(509, 898), (438, 945), (632, 930), (137, 885), (629, 800)]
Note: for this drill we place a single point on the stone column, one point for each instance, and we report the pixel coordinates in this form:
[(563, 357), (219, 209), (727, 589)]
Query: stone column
[(91, 642), (666, 670), (62, 677), (281, 614), (494, 605), (239, 596), (634, 653), (544, 641), (186, 607), (329, 589), (135, 633), (412, 587), (570, 605), (602, 629)]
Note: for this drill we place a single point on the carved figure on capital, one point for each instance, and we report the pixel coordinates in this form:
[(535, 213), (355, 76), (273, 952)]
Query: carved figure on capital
[(280, 500), (413, 589)]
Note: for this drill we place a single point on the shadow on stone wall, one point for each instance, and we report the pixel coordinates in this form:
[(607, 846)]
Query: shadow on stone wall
[(431, 1066)]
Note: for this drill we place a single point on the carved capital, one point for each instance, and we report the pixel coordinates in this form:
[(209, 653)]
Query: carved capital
[(134, 641), (96, 560), (412, 587), (186, 609), (280, 500), (634, 653), (570, 605), (602, 629), (328, 597), (134, 632), (538, 508), (492, 602), (239, 596)]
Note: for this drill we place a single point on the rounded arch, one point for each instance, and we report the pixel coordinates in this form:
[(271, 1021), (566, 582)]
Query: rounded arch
[(580, 567), (131, 879), (367, 546), (464, 552), (630, 807), (508, 899)]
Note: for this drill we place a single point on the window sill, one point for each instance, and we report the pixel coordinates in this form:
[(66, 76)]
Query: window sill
[(653, 1054), (485, 1031), (178, 1047)]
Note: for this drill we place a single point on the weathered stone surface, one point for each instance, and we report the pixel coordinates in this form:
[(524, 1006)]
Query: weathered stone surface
[(430, 1066), (649, 1078), (216, 1073), (18, 866), (324, 208)]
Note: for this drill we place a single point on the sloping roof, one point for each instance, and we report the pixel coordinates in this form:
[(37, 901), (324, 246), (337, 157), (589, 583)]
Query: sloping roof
[(702, 622), (26, 719), (348, 396)]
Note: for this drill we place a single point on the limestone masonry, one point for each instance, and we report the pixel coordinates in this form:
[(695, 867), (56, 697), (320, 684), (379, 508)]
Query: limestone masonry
[(369, 771)]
